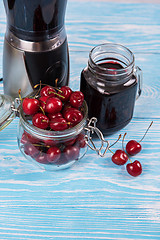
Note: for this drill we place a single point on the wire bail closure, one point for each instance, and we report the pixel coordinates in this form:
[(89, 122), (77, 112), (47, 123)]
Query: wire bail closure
[(15, 106), (91, 129)]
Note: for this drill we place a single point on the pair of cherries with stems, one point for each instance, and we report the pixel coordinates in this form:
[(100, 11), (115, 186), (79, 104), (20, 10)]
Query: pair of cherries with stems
[(120, 157)]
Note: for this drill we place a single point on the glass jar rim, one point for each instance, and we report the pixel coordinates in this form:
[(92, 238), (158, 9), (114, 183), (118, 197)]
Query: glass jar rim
[(113, 45), (45, 134)]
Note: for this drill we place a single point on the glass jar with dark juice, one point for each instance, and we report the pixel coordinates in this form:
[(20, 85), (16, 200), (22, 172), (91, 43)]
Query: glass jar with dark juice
[(111, 83)]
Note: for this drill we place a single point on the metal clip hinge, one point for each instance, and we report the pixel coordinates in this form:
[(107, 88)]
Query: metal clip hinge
[(91, 129), (15, 106)]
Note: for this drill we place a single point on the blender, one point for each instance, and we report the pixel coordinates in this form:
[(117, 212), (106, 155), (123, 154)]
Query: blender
[(35, 45)]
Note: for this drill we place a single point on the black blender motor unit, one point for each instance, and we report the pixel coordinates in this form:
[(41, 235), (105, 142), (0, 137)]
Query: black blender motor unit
[(35, 45)]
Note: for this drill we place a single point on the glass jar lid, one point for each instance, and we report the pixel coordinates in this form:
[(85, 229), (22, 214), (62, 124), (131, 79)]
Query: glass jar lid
[(7, 110)]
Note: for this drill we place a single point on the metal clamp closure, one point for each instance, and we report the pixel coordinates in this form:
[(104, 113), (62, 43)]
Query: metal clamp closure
[(91, 129), (15, 106)]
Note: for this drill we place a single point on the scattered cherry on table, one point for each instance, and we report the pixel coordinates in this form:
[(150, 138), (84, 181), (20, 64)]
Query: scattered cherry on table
[(119, 157), (134, 168), (133, 147)]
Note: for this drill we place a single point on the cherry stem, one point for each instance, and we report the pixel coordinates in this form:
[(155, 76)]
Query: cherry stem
[(41, 145), (68, 123), (56, 81), (123, 141), (146, 132), (58, 90), (123, 146), (56, 94), (37, 145), (116, 141), (19, 93), (40, 86), (47, 85), (111, 151), (42, 110), (129, 159)]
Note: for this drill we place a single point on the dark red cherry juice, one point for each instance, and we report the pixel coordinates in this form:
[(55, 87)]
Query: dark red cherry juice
[(113, 107)]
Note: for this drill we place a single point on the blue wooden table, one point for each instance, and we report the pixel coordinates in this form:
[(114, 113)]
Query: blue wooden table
[(93, 199)]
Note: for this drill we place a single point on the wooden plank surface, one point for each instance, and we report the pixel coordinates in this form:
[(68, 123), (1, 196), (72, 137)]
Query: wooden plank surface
[(94, 199)]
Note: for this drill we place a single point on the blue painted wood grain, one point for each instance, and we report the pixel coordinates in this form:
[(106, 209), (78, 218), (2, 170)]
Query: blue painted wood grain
[(94, 199)]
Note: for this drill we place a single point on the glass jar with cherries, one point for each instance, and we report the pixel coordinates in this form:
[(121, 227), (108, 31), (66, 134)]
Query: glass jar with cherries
[(51, 128), (54, 130)]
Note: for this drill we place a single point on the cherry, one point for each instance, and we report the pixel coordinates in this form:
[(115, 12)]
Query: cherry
[(53, 154), (133, 147), (70, 142), (30, 138), (81, 140), (134, 168), (76, 99), (30, 150), (41, 158), (65, 93), (71, 152), (47, 91), (42, 101), (73, 116), (58, 124), (40, 120), (54, 115), (53, 105), (63, 160), (30, 106), (24, 139), (119, 157), (50, 142), (66, 107)]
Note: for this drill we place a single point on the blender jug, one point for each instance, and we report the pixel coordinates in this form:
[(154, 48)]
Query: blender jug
[(35, 45)]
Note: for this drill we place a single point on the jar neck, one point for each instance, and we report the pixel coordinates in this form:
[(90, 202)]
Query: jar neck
[(111, 64)]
